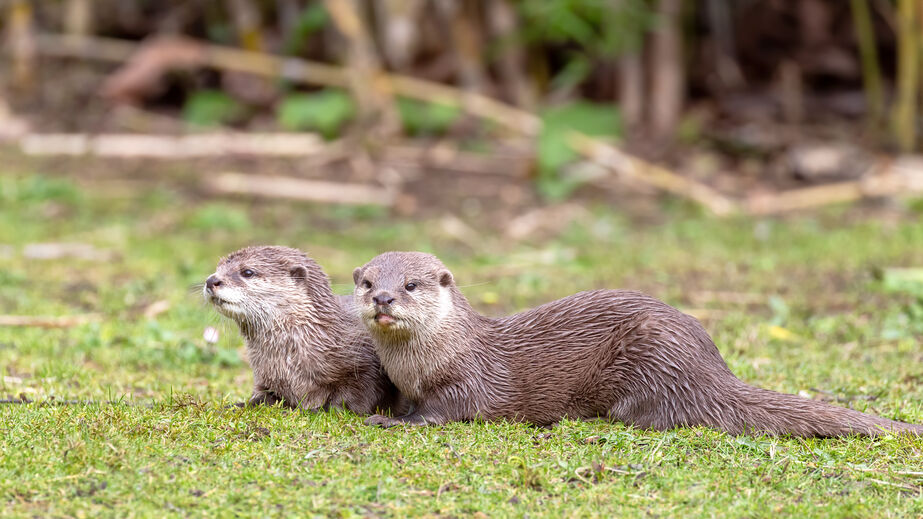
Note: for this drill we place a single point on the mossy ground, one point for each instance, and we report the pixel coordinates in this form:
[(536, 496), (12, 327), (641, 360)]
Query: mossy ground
[(801, 304)]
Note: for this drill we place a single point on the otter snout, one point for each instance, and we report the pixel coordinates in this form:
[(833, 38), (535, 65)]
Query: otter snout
[(383, 299), (212, 282), (219, 298), (383, 314)]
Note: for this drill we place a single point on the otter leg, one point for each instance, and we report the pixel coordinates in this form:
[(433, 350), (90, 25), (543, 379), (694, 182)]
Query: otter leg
[(645, 412), (415, 418), (262, 397)]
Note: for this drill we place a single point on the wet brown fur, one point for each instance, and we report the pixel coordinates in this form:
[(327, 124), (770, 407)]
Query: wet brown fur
[(304, 344), (616, 354)]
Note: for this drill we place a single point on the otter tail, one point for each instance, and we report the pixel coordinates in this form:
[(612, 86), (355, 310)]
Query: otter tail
[(780, 413)]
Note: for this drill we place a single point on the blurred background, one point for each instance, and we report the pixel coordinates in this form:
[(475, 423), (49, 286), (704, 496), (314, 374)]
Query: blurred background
[(539, 146), (753, 163), (479, 108)]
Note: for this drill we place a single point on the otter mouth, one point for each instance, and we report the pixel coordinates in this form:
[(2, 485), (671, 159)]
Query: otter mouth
[(223, 305), (384, 319), (217, 301)]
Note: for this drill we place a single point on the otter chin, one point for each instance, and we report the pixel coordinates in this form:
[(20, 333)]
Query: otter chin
[(306, 346), (614, 354), (223, 304)]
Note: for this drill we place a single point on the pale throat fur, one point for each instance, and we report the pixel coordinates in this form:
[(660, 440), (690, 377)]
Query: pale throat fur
[(406, 347)]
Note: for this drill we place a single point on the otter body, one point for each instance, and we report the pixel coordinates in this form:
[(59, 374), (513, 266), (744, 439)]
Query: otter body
[(616, 354), (305, 345)]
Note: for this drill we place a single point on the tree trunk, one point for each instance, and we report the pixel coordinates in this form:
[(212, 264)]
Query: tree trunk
[(397, 30), (466, 44), (668, 83), (631, 88), (908, 62), (22, 44), (373, 96), (247, 22), (511, 59), (78, 17)]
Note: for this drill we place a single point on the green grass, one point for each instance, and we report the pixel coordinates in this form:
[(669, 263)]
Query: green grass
[(804, 304)]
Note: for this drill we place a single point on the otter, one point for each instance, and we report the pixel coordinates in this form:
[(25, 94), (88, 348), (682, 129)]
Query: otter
[(614, 354), (306, 346)]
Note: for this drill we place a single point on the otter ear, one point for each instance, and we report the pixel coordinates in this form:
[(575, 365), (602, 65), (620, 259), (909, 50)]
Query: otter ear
[(298, 272), (357, 274), (445, 278)]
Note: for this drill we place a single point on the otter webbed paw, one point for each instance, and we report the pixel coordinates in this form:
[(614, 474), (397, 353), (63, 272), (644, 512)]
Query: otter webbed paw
[(387, 422)]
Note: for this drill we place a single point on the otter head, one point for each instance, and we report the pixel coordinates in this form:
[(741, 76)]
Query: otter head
[(259, 285), (403, 293)]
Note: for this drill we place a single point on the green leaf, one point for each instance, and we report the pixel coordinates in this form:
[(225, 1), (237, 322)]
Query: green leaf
[(422, 118), (325, 111), (211, 108), (312, 19), (903, 280), (554, 151), (601, 29)]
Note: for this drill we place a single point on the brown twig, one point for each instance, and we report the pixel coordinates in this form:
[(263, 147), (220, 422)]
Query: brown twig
[(446, 155), (170, 147), (293, 69), (637, 169), (300, 189), (887, 178)]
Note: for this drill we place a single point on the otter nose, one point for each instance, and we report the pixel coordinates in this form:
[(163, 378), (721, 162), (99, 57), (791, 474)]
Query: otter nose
[(382, 298), (212, 282)]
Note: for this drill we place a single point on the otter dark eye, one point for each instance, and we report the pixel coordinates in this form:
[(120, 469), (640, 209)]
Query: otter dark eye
[(410, 287), (247, 273), (366, 284)]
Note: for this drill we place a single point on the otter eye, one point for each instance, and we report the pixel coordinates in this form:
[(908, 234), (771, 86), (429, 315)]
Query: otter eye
[(410, 287), (247, 273), (366, 284)]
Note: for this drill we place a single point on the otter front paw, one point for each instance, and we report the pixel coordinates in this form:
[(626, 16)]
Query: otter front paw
[(382, 421), (386, 421)]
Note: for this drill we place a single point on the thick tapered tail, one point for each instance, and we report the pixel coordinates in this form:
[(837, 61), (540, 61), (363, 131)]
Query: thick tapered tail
[(779, 413)]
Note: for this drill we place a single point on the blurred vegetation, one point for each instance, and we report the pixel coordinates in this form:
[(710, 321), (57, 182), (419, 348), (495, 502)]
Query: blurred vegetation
[(750, 80), (325, 111), (540, 52), (211, 108), (554, 152)]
